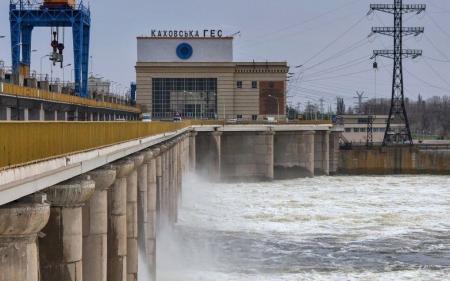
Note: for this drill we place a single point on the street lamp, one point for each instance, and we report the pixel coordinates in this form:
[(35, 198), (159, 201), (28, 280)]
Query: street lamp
[(67, 65), (278, 105), (40, 69)]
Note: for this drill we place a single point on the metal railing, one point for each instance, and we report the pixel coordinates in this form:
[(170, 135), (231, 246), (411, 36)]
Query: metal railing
[(15, 90), (22, 143)]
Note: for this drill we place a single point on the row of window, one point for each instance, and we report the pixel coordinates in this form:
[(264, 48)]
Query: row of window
[(240, 83), (254, 117), (187, 97), (364, 130)]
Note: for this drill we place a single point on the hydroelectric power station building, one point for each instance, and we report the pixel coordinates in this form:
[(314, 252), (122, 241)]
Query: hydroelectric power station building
[(193, 74)]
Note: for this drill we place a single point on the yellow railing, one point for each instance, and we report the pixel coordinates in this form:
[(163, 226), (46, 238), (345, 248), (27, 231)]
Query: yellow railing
[(15, 90), (27, 142)]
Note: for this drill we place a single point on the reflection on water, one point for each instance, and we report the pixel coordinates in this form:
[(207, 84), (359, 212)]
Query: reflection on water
[(326, 228)]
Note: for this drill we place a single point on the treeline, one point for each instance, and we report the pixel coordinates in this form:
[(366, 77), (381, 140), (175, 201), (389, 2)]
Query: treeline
[(426, 117)]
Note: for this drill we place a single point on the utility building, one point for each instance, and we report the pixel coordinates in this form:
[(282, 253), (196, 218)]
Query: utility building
[(193, 74)]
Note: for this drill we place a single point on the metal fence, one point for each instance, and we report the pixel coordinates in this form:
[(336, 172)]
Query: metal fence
[(14, 90), (27, 142)]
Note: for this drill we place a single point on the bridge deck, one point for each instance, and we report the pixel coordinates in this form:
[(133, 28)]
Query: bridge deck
[(37, 94)]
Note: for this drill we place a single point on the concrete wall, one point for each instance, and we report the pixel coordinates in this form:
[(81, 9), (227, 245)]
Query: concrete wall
[(208, 154), (165, 49), (395, 160), (294, 154), (247, 155), (265, 154)]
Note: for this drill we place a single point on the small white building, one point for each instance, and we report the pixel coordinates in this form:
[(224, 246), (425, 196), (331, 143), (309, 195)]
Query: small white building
[(355, 128)]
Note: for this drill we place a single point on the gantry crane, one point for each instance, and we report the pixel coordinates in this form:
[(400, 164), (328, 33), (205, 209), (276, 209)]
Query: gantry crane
[(25, 15)]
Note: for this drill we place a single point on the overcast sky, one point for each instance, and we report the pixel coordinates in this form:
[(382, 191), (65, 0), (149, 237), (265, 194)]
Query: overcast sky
[(328, 37)]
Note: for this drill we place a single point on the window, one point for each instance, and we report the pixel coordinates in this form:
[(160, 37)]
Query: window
[(189, 97), (348, 130), (363, 120), (254, 84), (362, 130), (254, 117), (239, 116), (356, 130), (239, 84)]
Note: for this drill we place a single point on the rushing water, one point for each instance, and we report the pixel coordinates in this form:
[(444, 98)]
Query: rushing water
[(325, 228)]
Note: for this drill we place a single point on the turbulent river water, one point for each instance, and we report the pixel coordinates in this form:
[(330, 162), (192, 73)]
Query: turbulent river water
[(324, 228)]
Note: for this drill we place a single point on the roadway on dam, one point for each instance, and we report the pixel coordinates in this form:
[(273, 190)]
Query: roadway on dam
[(323, 228)]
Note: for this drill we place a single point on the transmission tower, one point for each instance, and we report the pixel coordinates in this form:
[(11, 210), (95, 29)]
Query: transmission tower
[(340, 110), (360, 97), (397, 130), (370, 120)]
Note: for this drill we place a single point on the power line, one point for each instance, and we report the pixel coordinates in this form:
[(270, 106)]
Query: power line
[(426, 82), (437, 73), (345, 50), (306, 21), (438, 26), (342, 75), (340, 67), (333, 41), (435, 47), (434, 59)]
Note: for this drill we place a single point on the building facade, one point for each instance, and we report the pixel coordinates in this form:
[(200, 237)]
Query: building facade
[(356, 127), (196, 77)]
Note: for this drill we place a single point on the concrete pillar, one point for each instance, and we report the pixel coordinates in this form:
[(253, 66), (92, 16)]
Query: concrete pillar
[(41, 113), (179, 152), (75, 115), (216, 143), (132, 219), (176, 180), (117, 222), (269, 155), (26, 114), (66, 116), (20, 222), (216, 136), (8, 114), (56, 115), (152, 198), (142, 198), (159, 184), (172, 182), (91, 116), (164, 184), (60, 250), (307, 143), (326, 153), (208, 154), (192, 160), (334, 151), (95, 226)]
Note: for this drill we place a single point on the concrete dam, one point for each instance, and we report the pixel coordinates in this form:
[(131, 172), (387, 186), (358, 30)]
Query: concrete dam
[(95, 214)]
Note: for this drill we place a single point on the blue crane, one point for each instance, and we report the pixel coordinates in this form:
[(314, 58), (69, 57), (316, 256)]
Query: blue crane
[(24, 16)]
